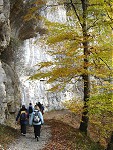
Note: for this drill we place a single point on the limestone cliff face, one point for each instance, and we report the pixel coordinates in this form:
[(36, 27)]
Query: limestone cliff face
[(31, 53), (8, 82), (13, 31), (4, 24), (4, 42), (19, 54)]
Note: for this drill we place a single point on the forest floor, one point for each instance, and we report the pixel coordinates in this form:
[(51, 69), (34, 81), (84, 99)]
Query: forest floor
[(59, 132)]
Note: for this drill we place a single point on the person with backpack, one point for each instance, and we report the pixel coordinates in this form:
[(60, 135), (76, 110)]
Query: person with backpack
[(30, 111), (37, 120), (23, 116)]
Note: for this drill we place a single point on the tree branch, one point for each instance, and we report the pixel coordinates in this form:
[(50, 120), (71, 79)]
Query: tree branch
[(102, 61), (73, 6)]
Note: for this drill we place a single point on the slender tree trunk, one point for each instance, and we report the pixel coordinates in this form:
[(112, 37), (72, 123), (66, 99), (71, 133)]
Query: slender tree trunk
[(84, 121), (110, 144)]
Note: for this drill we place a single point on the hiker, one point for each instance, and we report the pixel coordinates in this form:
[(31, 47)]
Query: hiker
[(23, 116), (30, 111), (41, 107), (37, 120)]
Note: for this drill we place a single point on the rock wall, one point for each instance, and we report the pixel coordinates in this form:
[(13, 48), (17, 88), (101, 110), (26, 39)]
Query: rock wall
[(19, 54), (3, 104), (4, 24), (9, 81), (13, 31), (4, 42), (33, 52)]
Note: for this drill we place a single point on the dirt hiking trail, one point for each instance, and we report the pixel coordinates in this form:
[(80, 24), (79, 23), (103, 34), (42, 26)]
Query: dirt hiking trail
[(28, 142)]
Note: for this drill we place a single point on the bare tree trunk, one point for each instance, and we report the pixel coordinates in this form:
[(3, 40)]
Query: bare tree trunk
[(110, 144), (84, 121)]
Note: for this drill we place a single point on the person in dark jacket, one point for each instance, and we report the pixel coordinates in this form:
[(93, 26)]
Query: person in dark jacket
[(23, 116), (30, 111), (42, 109), (41, 106), (37, 124)]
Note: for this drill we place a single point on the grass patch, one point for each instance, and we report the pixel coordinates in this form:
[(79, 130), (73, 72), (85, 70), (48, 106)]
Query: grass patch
[(7, 135)]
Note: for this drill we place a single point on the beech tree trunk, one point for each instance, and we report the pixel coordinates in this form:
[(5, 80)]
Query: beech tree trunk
[(110, 144), (85, 119)]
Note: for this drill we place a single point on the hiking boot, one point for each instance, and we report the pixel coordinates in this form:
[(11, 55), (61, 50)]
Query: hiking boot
[(37, 138), (23, 134)]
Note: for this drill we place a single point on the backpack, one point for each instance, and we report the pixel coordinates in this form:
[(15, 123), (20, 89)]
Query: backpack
[(36, 118), (23, 115), (30, 109)]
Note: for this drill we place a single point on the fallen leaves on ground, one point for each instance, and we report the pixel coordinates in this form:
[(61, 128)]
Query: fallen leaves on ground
[(65, 133), (7, 135), (65, 137)]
